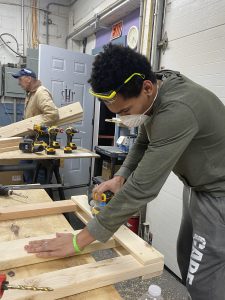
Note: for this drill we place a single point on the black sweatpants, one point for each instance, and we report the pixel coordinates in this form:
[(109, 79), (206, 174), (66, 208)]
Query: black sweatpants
[(201, 245)]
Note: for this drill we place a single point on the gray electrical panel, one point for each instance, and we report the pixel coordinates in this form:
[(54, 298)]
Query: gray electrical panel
[(11, 87), (0, 80)]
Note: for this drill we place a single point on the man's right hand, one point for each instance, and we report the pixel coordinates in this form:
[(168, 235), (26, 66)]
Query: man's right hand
[(113, 185)]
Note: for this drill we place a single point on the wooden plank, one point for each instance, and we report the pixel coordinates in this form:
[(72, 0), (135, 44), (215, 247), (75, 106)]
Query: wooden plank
[(83, 278), (13, 254), (7, 149), (36, 210), (17, 138), (39, 226), (82, 215), (72, 119), (149, 276), (8, 142), (121, 251), (140, 249), (22, 127)]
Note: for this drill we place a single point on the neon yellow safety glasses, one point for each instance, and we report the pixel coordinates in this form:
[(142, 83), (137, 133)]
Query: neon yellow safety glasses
[(109, 96)]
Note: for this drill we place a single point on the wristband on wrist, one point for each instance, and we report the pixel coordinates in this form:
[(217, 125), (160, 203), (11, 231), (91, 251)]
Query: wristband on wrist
[(76, 247)]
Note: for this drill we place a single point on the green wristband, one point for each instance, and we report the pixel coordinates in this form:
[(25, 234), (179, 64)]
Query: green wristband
[(76, 247)]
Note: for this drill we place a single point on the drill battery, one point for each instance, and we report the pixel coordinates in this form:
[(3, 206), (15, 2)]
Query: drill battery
[(28, 146)]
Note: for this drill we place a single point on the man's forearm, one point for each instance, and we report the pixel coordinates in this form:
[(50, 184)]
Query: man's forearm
[(84, 238)]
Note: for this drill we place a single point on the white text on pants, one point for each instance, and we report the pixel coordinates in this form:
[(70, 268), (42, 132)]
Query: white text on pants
[(199, 244)]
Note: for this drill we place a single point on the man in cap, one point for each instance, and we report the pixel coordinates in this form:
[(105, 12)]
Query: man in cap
[(38, 100)]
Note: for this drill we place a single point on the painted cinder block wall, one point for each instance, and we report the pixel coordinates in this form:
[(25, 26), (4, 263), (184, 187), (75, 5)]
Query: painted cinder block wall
[(104, 36)]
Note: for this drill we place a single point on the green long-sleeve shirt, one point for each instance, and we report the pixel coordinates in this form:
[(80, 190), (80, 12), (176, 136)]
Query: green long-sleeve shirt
[(184, 134)]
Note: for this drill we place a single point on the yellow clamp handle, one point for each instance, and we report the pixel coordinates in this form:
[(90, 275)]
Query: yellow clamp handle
[(103, 197)]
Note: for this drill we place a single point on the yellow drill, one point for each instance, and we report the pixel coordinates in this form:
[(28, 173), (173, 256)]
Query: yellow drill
[(70, 131), (39, 131), (53, 144), (97, 206)]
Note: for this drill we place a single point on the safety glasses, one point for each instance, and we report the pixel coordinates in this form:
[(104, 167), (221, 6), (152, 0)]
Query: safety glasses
[(109, 96)]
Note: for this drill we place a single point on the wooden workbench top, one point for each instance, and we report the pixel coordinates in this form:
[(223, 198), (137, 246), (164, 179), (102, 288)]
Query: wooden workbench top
[(19, 155), (22, 228)]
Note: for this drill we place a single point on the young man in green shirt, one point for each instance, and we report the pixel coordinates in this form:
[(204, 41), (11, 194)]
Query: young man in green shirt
[(181, 129)]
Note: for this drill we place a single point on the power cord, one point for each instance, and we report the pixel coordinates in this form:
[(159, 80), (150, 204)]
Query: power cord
[(6, 44)]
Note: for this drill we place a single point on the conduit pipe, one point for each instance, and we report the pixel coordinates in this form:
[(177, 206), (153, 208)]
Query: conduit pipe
[(140, 24), (48, 12), (22, 25)]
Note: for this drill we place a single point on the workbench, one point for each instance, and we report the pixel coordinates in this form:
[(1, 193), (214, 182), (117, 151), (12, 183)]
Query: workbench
[(19, 155), (36, 226), (40, 159)]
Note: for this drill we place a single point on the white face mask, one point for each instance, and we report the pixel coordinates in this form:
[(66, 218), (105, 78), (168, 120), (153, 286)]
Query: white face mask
[(137, 120)]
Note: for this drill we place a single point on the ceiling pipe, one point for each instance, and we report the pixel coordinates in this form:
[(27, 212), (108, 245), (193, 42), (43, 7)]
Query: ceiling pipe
[(92, 21), (140, 24), (22, 25), (157, 36), (29, 6), (48, 12)]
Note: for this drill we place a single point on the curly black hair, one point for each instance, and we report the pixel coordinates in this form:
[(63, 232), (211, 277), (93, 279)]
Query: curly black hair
[(114, 65)]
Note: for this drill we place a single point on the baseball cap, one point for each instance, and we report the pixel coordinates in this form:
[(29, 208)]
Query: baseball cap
[(25, 72)]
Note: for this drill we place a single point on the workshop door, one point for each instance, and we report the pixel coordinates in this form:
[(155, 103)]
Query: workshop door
[(65, 73)]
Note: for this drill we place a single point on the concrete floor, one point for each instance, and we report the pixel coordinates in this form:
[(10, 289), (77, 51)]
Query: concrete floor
[(132, 289)]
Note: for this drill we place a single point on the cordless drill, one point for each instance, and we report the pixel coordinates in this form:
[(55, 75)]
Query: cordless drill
[(53, 144), (96, 205), (54, 131), (40, 130), (70, 131)]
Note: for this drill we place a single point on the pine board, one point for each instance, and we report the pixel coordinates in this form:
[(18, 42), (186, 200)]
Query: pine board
[(78, 279), (36, 210), (37, 227), (13, 253), (8, 142), (70, 112), (7, 149), (140, 249)]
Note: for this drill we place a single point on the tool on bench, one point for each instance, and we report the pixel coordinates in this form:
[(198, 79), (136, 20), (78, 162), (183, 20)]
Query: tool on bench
[(52, 145), (4, 285), (70, 131), (28, 146), (32, 144), (6, 191), (97, 205), (53, 131), (40, 130)]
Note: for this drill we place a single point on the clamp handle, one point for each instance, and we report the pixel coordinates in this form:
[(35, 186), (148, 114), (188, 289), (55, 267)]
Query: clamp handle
[(2, 284), (103, 197)]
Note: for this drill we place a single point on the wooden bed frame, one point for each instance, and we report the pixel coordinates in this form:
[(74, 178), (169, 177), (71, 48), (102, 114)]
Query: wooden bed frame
[(136, 257)]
